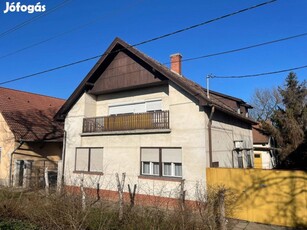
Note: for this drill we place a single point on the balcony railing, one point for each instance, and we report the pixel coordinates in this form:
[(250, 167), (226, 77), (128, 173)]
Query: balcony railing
[(123, 122)]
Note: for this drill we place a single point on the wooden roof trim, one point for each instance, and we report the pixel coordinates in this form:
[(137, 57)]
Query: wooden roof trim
[(175, 78)]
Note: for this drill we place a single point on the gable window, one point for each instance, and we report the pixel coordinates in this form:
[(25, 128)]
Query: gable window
[(89, 159), (162, 162)]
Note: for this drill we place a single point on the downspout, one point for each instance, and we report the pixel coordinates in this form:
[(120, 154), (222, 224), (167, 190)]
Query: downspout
[(63, 157), (11, 161), (210, 135)]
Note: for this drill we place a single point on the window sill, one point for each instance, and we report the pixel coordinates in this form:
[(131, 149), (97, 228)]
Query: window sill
[(175, 179), (89, 173)]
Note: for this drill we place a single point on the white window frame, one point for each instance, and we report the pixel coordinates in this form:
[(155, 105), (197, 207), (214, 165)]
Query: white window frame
[(151, 168), (172, 169), (161, 164)]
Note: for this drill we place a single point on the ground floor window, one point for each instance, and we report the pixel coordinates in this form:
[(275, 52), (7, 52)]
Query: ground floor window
[(89, 159), (163, 162)]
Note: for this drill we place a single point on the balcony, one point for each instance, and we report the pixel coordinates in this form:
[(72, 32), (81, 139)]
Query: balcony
[(126, 122)]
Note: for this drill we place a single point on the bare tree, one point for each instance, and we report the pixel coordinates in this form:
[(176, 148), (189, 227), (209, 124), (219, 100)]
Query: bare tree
[(265, 102)]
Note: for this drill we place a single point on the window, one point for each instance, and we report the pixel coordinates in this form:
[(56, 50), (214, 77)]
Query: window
[(240, 160), (249, 160), (136, 107), (150, 161), (89, 159), (161, 162)]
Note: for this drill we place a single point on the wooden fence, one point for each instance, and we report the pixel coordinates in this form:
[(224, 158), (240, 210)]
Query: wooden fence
[(266, 196)]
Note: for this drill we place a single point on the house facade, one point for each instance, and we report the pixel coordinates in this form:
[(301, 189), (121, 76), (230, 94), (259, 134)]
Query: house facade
[(135, 116), (264, 149), (30, 139)]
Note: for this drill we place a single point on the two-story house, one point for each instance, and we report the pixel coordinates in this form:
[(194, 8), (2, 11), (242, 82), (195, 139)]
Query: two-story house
[(133, 115)]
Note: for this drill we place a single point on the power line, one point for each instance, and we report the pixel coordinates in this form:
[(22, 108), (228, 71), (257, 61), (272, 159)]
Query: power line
[(261, 74), (204, 23), (49, 70), (66, 32), (35, 18), (140, 43), (224, 52), (245, 48)]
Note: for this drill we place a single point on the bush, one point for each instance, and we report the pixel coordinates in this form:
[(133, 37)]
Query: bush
[(34, 210)]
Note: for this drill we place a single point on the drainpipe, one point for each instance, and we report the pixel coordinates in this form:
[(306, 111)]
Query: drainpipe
[(11, 161), (63, 157), (210, 135)]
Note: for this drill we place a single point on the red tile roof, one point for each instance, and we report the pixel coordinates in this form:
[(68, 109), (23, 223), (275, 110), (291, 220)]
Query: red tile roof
[(30, 116)]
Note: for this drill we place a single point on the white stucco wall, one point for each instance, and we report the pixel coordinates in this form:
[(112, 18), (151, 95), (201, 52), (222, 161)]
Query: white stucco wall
[(267, 161), (121, 153)]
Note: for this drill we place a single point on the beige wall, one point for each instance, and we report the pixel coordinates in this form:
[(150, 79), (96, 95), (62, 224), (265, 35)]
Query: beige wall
[(7, 144), (188, 125)]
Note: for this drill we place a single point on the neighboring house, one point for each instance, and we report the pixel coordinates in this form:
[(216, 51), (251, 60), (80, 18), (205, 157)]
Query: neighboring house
[(30, 139), (133, 115), (264, 149)]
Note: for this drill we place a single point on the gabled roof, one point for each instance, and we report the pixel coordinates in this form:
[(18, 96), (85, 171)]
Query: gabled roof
[(194, 89), (30, 116), (259, 135)]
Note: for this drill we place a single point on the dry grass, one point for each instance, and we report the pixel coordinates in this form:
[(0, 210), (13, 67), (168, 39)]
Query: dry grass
[(34, 210)]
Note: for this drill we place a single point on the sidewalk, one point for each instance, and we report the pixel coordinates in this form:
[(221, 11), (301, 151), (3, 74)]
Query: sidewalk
[(240, 225)]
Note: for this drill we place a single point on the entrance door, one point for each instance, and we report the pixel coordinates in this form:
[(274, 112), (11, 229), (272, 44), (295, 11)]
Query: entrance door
[(257, 160), (19, 172)]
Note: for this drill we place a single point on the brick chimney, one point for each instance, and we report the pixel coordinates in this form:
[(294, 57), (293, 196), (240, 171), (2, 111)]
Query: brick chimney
[(176, 63)]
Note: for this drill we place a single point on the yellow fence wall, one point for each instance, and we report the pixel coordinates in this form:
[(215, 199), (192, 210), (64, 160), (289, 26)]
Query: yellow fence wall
[(266, 196)]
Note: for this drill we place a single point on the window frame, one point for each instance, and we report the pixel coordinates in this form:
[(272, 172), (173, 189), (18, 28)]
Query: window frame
[(161, 164), (89, 161)]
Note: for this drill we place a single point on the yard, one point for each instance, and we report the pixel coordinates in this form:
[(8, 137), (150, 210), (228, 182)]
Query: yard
[(33, 209)]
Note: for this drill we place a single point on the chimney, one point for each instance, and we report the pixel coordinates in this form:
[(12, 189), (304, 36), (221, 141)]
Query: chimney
[(176, 63)]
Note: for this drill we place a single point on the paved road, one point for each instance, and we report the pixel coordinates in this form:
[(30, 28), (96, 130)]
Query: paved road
[(240, 225)]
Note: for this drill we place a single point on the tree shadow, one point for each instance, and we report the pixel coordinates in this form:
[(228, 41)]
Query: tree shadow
[(277, 197), (34, 124)]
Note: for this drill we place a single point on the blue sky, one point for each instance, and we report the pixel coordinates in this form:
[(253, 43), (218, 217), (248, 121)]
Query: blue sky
[(99, 22)]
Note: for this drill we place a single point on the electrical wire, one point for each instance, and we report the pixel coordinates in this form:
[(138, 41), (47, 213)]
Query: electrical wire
[(69, 31), (260, 74), (33, 19), (245, 48), (140, 43), (204, 23)]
